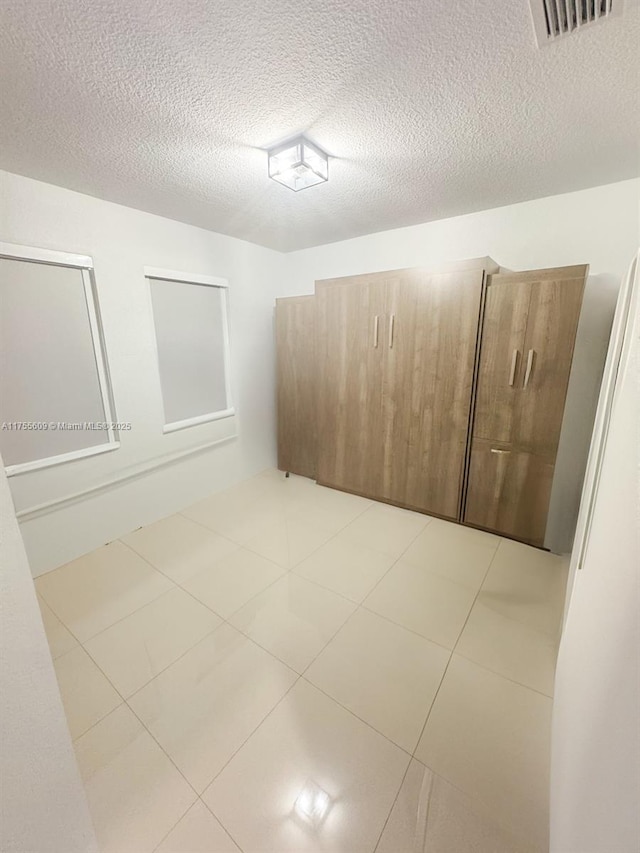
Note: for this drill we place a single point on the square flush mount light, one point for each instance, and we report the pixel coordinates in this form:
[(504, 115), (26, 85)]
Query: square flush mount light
[(298, 164)]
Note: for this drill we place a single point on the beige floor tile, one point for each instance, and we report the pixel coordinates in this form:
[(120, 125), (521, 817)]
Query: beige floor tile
[(491, 738), (205, 705), (312, 778), (179, 547), (386, 675), (59, 638), (136, 649), (509, 648), (528, 585), (94, 591), (386, 529), (289, 540), (242, 522), (225, 508), (431, 816), (330, 508), (86, 693), (233, 580), (293, 619), (198, 832), (457, 553), (135, 793), (346, 568), (423, 602)]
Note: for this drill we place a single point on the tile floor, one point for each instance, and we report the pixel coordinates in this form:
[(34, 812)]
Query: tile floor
[(285, 668)]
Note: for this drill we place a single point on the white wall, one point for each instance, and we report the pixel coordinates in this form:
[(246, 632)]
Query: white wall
[(597, 226), (595, 778), (43, 804), (121, 242)]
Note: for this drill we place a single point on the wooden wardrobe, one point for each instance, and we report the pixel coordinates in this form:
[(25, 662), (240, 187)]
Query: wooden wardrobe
[(441, 391), (527, 342), (295, 326), (396, 357)]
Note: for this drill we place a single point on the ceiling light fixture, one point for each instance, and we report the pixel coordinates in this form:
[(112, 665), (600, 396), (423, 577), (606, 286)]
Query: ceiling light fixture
[(298, 164)]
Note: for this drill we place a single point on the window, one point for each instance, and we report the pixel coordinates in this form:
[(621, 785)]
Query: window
[(190, 319), (55, 403)]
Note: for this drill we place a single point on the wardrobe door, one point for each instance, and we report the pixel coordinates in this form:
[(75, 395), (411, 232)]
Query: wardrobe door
[(501, 358), (509, 491), (430, 353), (554, 311), (517, 423), (350, 342), (296, 385)]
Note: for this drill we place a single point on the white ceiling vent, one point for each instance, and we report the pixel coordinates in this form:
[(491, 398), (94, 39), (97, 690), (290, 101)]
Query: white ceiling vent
[(554, 19)]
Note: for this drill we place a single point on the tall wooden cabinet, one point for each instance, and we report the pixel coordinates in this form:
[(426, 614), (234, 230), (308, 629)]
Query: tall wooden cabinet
[(296, 384), (527, 343), (396, 357)]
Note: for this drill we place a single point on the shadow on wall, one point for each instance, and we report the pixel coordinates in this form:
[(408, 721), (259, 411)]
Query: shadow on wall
[(592, 341)]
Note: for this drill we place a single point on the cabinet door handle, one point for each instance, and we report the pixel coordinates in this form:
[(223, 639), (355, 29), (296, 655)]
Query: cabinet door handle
[(392, 321), (376, 325), (527, 373), (497, 450), (514, 363)]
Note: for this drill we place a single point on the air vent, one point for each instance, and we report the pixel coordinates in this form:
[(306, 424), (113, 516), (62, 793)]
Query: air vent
[(554, 19)]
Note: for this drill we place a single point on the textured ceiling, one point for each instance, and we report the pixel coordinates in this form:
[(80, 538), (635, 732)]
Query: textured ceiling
[(429, 108)]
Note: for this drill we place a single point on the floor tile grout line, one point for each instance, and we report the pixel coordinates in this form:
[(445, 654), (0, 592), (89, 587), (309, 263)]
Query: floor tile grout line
[(455, 646), (97, 722), (125, 702), (331, 537), (330, 640), (123, 618), (250, 735), (504, 677), (198, 800), (398, 558), (353, 714), (151, 735), (393, 804), (444, 674), (126, 616), (224, 619), (164, 751), (120, 619), (404, 628), (216, 817)]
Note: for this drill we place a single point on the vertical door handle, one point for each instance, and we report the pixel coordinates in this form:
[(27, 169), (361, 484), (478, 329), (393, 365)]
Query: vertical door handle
[(514, 362), (376, 325), (527, 373), (392, 320)]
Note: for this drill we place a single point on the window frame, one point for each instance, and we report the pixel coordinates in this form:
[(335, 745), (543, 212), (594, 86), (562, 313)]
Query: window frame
[(156, 273), (84, 263)]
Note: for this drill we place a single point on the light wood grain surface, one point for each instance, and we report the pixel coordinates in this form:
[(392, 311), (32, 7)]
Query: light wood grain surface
[(516, 427), (297, 385)]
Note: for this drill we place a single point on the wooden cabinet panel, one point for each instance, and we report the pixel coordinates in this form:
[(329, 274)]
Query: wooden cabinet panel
[(296, 385), (501, 358), (517, 426), (427, 387), (509, 491), (350, 343), (554, 310)]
